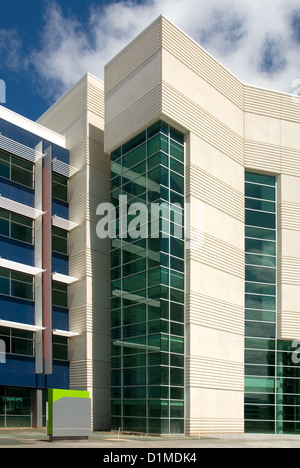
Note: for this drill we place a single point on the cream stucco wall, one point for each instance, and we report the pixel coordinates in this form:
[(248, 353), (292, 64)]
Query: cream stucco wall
[(210, 115), (79, 116), (229, 127)]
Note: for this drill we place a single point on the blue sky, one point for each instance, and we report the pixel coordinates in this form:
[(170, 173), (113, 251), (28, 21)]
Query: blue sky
[(48, 45)]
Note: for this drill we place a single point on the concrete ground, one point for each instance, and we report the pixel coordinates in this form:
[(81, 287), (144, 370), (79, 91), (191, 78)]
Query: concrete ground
[(31, 438)]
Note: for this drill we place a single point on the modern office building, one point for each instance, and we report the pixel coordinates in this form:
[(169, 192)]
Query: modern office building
[(183, 318), (203, 326), (51, 276), (34, 268)]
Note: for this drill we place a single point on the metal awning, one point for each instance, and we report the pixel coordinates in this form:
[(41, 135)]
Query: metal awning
[(63, 168), (20, 267), (20, 150), (20, 326), (65, 333), (63, 278), (19, 208), (63, 223)]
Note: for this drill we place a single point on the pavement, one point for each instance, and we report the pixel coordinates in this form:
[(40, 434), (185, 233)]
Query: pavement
[(114, 443)]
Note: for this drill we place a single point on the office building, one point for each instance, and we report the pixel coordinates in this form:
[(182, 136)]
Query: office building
[(54, 319), (178, 124), (185, 317)]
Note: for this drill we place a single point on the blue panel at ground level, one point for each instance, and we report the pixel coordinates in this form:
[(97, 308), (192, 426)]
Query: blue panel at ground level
[(16, 310), (16, 251), (60, 376), (18, 371)]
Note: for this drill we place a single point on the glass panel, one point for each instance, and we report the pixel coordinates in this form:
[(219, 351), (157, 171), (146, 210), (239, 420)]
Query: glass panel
[(177, 409), (177, 136), (116, 154), (260, 343), (261, 219), (135, 376), (256, 246), (60, 187), (4, 286), (177, 166), (134, 408), (260, 233), (156, 128), (23, 347), (260, 179), (177, 280), (158, 142), (134, 424), (260, 191), (260, 302), (261, 274), (135, 282), (135, 313), (21, 289), (176, 376), (259, 412), (260, 288), (260, 260), (258, 329), (176, 182), (135, 156), (158, 409), (176, 345), (260, 357), (260, 384), (260, 205), (59, 294), (260, 315), (146, 277), (134, 142), (21, 233)]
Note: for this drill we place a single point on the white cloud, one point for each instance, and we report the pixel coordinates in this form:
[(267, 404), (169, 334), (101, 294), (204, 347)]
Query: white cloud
[(10, 50), (258, 41)]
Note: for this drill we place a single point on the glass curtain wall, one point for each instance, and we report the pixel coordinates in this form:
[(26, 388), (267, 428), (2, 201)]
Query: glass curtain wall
[(15, 407), (272, 371), (148, 284)]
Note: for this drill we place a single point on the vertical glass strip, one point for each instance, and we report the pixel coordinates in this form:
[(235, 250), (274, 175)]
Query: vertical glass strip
[(148, 283), (260, 303)]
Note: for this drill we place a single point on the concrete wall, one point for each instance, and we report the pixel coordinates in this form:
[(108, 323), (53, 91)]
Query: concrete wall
[(189, 90), (79, 116)]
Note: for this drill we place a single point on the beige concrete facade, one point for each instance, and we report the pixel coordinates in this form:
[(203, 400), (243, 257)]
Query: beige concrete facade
[(229, 128), (79, 116)]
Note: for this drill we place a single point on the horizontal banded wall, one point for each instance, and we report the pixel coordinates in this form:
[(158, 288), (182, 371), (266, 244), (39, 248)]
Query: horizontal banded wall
[(79, 115), (164, 74), (272, 146)]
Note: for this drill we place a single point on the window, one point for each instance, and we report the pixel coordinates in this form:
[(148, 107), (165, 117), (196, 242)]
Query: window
[(59, 294), (16, 169), (17, 341), (60, 187), (59, 240), (15, 226), (60, 348), (15, 284)]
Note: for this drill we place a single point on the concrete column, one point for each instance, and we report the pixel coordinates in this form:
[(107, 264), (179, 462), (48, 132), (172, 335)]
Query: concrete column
[(37, 408)]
